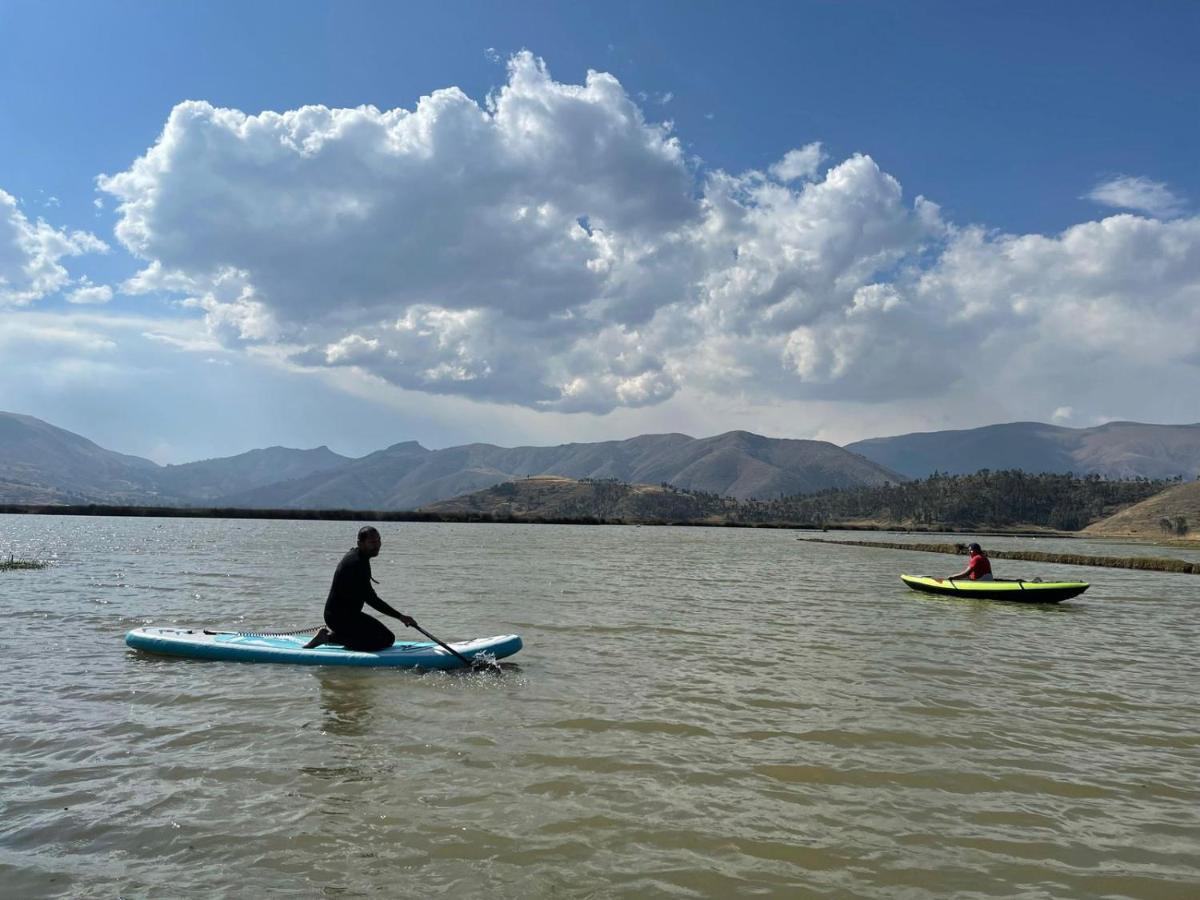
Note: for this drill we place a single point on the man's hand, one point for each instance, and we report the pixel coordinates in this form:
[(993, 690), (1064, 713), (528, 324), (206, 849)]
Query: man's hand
[(407, 620)]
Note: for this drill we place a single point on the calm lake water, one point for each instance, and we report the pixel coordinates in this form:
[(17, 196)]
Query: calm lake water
[(696, 713)]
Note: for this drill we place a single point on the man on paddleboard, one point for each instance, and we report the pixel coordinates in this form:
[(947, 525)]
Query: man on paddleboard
[(979, 568), (345, 621)]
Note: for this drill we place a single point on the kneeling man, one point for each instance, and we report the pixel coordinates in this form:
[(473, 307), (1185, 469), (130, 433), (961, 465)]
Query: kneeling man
[(345, 621)]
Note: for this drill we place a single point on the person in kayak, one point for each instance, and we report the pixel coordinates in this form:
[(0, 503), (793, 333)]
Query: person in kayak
[(979, 568), (345, 621)]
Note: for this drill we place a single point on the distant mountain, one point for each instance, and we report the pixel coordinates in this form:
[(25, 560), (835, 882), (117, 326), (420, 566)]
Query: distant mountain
[(1173, 513), (1115, 450), (744, 465), (40, 463), (360, 484), (209, 479), (737, 464)]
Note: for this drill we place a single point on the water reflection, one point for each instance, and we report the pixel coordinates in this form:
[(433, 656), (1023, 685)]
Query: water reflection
[(347, 704), (980, 604)]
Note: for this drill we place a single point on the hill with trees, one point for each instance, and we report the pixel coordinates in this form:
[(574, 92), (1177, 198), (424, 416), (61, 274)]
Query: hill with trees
[(1173, 513), (985, 500)]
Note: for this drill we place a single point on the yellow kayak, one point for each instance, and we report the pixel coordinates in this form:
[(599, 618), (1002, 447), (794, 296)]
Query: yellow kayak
[(1000, 589)]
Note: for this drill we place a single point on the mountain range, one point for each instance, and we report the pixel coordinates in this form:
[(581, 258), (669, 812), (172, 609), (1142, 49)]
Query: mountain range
[(736, 464), (1115, 450), (40, 463), (43, 464)]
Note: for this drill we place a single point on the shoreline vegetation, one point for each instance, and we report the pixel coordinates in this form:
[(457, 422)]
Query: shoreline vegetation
[(1143, 563), (361, 515), (1007, 501), (484, 517), (1159, 564)]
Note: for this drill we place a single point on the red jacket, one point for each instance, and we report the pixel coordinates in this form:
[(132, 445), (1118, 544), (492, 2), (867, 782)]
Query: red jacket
[(979, 566)]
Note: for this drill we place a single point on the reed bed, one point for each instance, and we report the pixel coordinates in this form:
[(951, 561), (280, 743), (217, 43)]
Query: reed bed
[(1145, 563), (12, 564)]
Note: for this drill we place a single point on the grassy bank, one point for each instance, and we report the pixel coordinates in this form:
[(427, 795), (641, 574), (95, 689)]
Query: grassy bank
[(1146, 563), (360, 515), (368, 515), (217, 512), (522, 518)]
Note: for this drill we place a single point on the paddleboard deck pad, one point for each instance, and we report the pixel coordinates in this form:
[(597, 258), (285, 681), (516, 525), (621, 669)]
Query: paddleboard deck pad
[(1016, 591), (196, 643)]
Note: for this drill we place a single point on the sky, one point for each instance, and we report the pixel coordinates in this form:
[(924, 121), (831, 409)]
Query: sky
[(226, 225)]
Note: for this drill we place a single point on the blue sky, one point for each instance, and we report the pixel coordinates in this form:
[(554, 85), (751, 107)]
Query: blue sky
[(1054, 147)]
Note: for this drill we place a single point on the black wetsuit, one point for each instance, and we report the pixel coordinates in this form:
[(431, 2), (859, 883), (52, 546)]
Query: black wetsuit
[(351, 588)]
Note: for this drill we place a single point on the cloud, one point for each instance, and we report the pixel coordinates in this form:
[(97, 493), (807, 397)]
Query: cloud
[(802, 163), (32, 338), (553, 249), (191, 343), (122, 381), (541, 219), (1137, 193), (30, 254), (90, 293), (662, 99)]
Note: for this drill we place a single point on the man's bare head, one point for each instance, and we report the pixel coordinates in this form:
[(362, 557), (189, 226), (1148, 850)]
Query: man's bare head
[(369, 540)]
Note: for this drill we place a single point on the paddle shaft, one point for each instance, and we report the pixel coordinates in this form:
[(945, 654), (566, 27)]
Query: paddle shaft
[(442, 644)]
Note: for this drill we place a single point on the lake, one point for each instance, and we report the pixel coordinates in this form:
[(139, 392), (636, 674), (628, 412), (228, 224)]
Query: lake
[(698, 712)]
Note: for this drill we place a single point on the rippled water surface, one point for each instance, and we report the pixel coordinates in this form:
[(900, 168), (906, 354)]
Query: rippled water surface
[(696, 713)]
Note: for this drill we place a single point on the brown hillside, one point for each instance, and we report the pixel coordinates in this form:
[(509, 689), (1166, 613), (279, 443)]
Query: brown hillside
[(17, 493), (554, 497), (1147, 519)]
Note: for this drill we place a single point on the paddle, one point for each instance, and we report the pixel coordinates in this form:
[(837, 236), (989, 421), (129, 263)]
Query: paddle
[(466, 662)]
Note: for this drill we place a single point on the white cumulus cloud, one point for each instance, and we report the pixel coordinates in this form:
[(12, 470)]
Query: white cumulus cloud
[(31, 254), (554, 249), (801, 163), (88, 293)]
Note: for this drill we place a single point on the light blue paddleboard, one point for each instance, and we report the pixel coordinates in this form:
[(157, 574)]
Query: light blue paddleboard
[(229, 645)]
